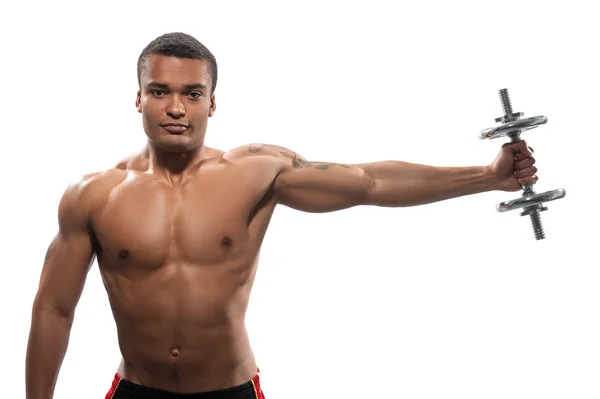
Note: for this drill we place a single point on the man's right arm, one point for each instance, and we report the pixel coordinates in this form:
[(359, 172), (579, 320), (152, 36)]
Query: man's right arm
[(66, 266)]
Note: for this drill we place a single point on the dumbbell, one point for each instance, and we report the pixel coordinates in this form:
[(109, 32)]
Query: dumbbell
[(530, 202)]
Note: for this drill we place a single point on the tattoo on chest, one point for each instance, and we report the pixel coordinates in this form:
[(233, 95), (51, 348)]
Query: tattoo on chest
[(298, 161)]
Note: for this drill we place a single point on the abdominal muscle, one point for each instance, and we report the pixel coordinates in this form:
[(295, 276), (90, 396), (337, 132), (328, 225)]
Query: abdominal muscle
[(181, 328)]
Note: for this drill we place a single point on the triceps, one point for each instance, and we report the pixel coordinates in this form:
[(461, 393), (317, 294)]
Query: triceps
[(52, 247)]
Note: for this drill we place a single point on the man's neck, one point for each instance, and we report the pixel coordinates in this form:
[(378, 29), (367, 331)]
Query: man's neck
[(173, 165)]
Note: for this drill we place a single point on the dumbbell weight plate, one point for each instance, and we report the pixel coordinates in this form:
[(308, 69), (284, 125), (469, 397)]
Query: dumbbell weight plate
[(530, 200), (519, 125)]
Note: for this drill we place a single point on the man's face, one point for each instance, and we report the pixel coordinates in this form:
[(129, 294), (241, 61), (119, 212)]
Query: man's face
[(175, 102)]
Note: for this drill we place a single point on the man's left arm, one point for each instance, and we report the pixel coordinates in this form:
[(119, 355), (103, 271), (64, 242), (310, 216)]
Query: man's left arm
[(325, 187)]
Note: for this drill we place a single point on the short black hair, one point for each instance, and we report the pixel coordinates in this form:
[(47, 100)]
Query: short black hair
[(180, 45)]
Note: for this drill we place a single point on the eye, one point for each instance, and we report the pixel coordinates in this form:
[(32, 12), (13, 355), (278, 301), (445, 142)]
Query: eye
[(158, 93), (195, 95)]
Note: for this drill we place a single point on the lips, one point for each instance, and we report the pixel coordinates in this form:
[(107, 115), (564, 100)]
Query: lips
[(175, 128)]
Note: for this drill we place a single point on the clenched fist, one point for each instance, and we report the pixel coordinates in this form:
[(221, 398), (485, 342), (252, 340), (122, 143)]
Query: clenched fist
[(514, 166)]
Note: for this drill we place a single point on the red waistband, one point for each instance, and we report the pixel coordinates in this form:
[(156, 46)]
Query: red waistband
[(255, 381), (113, 386)]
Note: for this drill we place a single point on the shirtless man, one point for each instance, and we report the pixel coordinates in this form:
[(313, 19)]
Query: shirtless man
[(177, 230)]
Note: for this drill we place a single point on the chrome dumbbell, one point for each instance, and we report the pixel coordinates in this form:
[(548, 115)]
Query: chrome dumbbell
[(531, 202)]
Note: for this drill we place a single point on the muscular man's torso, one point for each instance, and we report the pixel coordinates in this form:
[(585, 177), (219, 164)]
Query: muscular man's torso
[(178, 260)]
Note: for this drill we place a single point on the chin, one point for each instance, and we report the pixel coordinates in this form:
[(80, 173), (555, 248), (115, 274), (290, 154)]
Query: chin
[(173, 143)]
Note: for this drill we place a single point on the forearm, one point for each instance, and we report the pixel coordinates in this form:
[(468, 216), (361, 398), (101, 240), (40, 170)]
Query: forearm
[(396, 183), (48, 340)]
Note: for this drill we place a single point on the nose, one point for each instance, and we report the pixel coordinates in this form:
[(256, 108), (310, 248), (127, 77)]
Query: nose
[(176, 108)]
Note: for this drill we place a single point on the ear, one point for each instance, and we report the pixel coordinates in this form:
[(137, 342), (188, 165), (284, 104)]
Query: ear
[(213, 106), (138, 101)]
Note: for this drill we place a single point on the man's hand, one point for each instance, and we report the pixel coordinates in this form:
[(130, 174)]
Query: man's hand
[(514, 166)]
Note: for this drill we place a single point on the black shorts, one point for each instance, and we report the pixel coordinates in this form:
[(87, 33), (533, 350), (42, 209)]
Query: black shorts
[(123, 389)]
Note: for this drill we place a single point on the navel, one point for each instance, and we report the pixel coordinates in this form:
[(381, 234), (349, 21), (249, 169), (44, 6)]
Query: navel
[(175, 352)]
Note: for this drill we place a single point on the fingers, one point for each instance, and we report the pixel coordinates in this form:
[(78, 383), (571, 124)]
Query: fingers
[(526, 172), (519, 157), (522, 154), (528, 180), (526, 151), (519, 148), (524, 168), (523, 162)]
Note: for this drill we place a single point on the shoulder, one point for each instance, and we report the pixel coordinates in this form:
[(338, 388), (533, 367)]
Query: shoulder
[(88, 192), (270, 153)]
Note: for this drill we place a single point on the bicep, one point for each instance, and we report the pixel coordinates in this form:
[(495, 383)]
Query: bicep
[(64, 272), (67, 262), (309, 186), (323, 187)]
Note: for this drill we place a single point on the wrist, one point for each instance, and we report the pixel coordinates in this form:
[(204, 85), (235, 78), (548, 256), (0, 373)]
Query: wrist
[(490, 179)]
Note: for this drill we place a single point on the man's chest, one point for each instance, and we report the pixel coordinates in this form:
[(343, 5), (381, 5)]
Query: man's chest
[(202, 220)]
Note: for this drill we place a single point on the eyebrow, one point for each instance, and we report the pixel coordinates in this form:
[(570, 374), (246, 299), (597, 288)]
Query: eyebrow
[(187, 87)]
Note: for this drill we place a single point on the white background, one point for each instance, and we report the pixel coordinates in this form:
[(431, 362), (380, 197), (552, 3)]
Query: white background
[(449, 300)]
